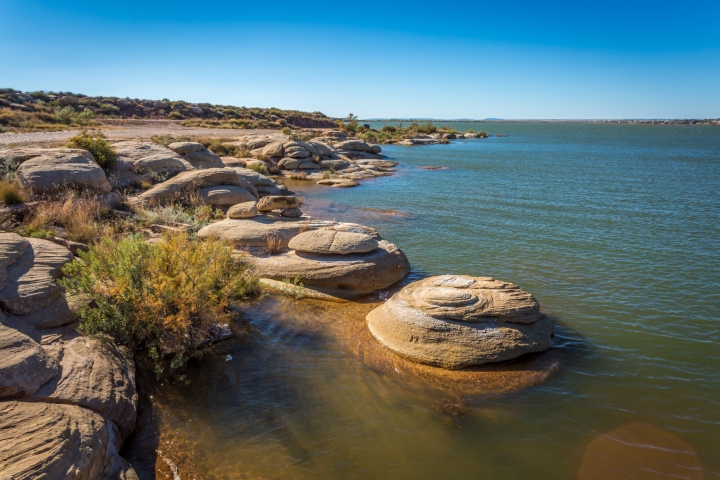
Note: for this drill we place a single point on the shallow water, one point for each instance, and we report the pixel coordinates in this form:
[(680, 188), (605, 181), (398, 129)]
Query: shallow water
[(613, 228)]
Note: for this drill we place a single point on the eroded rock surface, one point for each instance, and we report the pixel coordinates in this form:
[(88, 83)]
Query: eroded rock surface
[(50, 441), (333, 242), (457, 321), (24, 364), (51, 173), (343, 275)]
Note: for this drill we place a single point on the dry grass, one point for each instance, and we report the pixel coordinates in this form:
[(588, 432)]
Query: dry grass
[(79, 218), (299, 176), (273, 245), (10, 192)]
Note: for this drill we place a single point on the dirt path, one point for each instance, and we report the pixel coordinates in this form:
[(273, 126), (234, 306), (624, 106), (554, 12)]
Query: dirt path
[(130, 129)]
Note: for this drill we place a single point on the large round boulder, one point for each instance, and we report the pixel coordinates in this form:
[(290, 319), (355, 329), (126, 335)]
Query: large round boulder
[(457, 321), (333, 242), (341, 275), (51, 173), (196, 154)]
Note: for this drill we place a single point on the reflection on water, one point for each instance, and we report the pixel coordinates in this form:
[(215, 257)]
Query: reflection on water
[(639, 452), (310, 390)]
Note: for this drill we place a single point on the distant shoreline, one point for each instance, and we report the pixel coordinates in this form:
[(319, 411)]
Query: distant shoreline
[(711, 122)]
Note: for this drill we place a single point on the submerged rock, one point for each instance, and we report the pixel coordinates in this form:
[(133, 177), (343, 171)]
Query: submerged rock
[(456, 321)]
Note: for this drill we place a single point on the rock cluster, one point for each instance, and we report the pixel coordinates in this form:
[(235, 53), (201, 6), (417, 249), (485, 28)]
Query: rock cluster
[(457, 321), (340, 260), (67, 399)]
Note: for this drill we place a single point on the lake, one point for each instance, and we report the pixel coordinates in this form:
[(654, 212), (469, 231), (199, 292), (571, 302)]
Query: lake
[(614, 228)]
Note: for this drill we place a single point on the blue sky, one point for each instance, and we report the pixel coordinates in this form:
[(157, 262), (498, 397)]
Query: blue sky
[(629, 59)]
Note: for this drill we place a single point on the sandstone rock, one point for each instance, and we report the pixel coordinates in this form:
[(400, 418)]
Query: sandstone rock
[(354, 145), (131, 151), (162, 164), (358, 154), (98, 375), (60, 312), (226, 195), (194, 179), (296, 152), (49, 441), (309, 166), (24, 364), (255, 178), (183, 148), (378, 163), (291, 212), (126, 179), (335, 134), (31, 279), (267, 204), (274, 149), (338, 183), (48, 174), (457, 321), (323, 149), (19, 155), (345, 276), (12, 247), (375, 149), (288, 163), (243, 210), (325, 241), (273, 190), (254, 232), (204, 159)]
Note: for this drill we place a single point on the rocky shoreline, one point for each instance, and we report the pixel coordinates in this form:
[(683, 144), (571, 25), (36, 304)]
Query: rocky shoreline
[(72, 400)]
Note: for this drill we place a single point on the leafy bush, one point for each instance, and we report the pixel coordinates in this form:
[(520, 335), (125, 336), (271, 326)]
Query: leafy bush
[(158, 299), (259, 168), (68, 115), (97, 144)]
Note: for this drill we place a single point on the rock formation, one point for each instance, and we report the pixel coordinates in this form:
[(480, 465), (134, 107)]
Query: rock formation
[(456, 321)]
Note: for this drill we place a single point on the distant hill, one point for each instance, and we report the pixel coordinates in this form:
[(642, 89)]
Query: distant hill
[(31, 111)]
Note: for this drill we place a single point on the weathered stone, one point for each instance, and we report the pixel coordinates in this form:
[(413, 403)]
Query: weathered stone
[(12, 247), (132, 151), (267, 204), (204, 159), (289, 163), (345, 276), (255, 178), (326, 241), (291, 212), (226, 195), (18, 155), (99, 375), (457, 321), (355, 145), (162, 164), (31, 279), (274, 149), (183, 148), (243, 210), (24, 364), (194, 179), (338, 183), (50, 174), (60, 312), (49, 441), (296, 152), (309, 166), (323, 149), (254, 232)]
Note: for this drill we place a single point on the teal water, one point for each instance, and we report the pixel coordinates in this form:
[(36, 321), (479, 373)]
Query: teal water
[(616, 231)]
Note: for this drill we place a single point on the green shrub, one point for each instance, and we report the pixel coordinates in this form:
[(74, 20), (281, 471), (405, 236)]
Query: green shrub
[(175, 115), (259, 168), (68, 115), (286, 131), (97, 144), (158, 299)]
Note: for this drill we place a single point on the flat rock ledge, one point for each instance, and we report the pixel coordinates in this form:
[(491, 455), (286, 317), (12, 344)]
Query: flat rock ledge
[(457, 321)]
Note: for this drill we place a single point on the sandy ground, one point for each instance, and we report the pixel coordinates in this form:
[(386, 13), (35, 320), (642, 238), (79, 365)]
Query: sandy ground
[(130, 129)]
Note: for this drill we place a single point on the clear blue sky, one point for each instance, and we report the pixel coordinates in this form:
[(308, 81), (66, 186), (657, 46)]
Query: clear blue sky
[(611, 59)]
